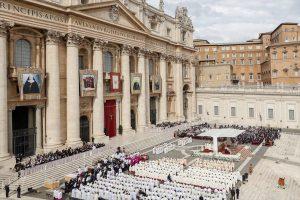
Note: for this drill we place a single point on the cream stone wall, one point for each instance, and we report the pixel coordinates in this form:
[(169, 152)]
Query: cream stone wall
[(280, 99), (215, 75)]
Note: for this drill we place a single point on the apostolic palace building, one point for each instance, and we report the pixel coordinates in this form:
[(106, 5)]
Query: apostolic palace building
[(86, 70)]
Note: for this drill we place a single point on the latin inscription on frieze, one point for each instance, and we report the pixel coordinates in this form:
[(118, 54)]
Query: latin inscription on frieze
[(107, 30), (36, 13)]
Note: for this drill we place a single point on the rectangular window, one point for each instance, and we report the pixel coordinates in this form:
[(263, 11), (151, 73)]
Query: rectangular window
[(216, 110), (258, 61), (206, 49), (242, 48), (227, 48), (250, 47), (200, 110), (251, 76), (242, 62), (233, 48), (291, 115), (284, 55), (251, 112), (233, 111), (168, 32), (270, 113), (214, 49), (223, 48)]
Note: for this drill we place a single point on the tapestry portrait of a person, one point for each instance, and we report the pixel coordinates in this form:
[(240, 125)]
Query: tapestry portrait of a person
[(31, 84)]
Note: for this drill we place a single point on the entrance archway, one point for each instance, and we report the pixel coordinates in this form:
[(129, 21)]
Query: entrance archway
[(110, 118), (153, 111), (186, 88), (84, 129), (24, 130), (133, 120)]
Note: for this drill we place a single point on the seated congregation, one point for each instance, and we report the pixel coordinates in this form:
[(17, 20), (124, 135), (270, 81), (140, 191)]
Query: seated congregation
[(168, 178), (52, 156)]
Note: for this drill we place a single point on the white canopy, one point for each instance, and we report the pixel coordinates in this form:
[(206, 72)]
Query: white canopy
[(217, 133), (226, 132)]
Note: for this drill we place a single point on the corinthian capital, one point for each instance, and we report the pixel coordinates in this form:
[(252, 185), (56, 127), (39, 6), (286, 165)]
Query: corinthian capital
[(74, 39), (163, 57), (126, 50), (99, 44), (53, 37), (141, 52), (4, 26)]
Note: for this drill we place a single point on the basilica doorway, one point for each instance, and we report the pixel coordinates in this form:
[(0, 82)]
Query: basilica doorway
[(185, 101), (24, 130), (110, 118), (153, 111), (84, 129), (133, 120)]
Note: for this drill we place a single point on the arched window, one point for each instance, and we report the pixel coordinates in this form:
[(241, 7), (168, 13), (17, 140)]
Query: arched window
[(23, 53), (108, 61)]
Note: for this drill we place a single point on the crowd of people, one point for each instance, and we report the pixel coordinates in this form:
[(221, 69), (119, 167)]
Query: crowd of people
[(170, 124), (193, 131), (52, 156), (104, 168), (251, 135), (258, 135)]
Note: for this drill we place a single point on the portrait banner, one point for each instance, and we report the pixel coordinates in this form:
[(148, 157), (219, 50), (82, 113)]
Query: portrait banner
[(88, 83), (115, 82), (30, 83), (136, 83), (156, 84)]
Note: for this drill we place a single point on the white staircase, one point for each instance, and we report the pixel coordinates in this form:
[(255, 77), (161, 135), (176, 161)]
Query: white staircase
[(37, 179)]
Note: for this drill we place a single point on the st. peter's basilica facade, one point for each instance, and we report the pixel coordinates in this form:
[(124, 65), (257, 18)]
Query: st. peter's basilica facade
[(81, 70)]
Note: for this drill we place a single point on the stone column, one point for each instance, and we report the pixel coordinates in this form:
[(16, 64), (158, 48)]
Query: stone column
[(38, 124), (53, 133), (4, 154), (193, 89), (179, 89), (98, 106), (147, 85), (126, 103), (142, 117), (10, 131), (73, 104), (163, 103)]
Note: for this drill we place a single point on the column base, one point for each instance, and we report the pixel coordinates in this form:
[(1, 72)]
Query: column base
[(50, 147), (140, 129), (39, 150), (74, 143), (181, 118), (5, 156), (128, 132), (101, 139)]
